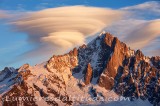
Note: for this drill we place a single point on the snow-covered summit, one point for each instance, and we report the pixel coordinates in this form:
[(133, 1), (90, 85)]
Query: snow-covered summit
[(105, 67)]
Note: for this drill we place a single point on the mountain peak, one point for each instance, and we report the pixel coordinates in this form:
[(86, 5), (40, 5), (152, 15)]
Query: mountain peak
[(105, 62), (109, 39)]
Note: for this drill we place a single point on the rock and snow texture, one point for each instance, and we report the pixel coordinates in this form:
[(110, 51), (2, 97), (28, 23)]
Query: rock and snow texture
[(104, 69)]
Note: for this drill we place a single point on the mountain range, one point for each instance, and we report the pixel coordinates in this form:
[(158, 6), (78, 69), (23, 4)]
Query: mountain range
[(104, 72)]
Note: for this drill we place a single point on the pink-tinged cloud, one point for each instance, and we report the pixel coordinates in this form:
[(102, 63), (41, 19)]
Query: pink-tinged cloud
[(64, 27), (142, 35), (55, 30), (4, 15), (139, 34)]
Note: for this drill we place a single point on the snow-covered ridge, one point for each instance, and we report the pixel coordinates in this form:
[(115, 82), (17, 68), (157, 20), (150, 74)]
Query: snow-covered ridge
[(112, 70)]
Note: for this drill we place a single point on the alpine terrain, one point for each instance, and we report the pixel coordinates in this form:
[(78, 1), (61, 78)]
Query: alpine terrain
[(105, 72)]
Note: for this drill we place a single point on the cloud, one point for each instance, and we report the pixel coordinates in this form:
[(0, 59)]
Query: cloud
[(64, 27), (3, 14), (153, 48), (136, 33), (147, 10), (124, 27), (140, 27), (143, 34), (65, 39), (151, 6), (56, 30)]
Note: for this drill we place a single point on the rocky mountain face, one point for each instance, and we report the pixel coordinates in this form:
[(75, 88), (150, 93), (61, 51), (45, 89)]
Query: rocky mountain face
[(103, 66)]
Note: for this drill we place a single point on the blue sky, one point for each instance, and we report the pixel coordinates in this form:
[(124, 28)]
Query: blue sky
[(14, 45), (39, 4)]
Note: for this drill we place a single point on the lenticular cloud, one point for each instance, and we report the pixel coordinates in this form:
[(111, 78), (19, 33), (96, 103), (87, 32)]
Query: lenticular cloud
[(65, 27)]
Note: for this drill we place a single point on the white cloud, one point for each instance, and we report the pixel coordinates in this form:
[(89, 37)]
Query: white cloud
[(64, 27), (56, 30), (122, 28), (143, 34), (151, 6), (153, 48), (136, 33), (140, 27), (147, 10)]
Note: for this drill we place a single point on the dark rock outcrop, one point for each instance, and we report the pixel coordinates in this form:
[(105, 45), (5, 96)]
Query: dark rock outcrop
[(88, 74)]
